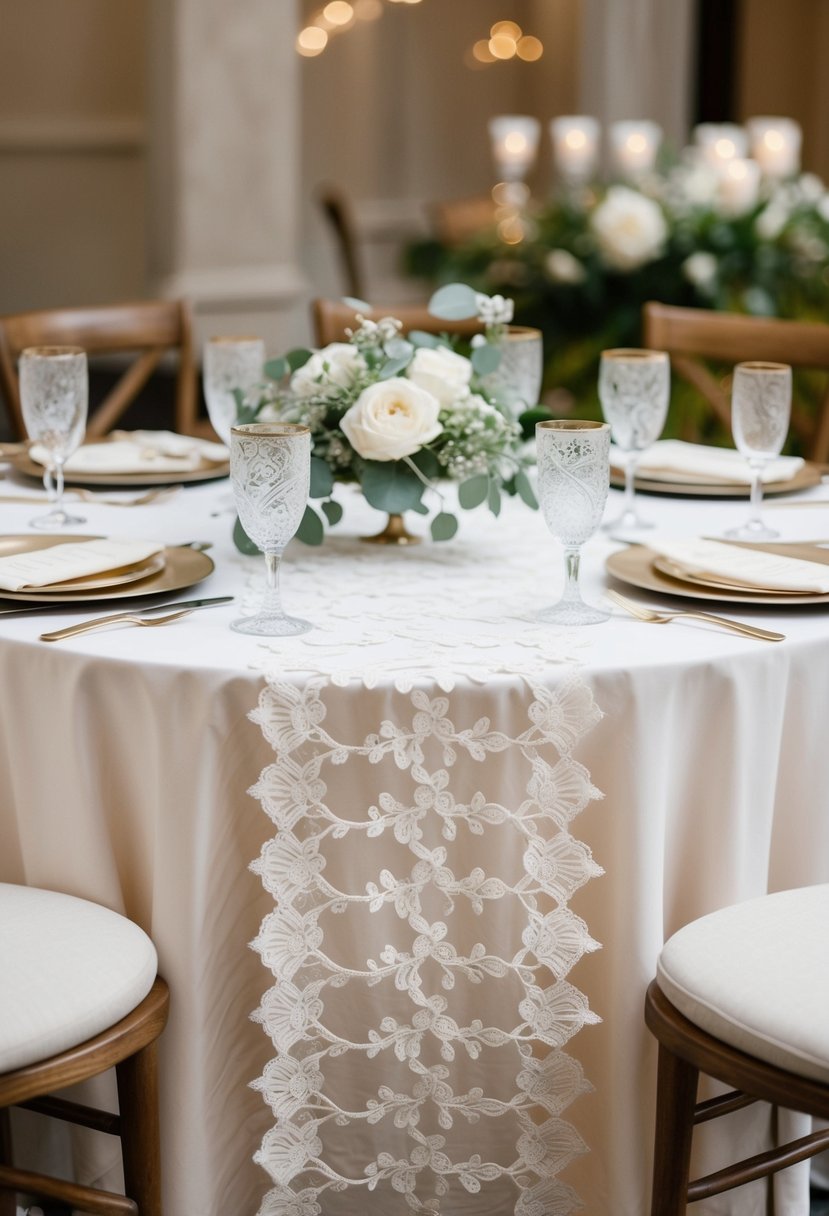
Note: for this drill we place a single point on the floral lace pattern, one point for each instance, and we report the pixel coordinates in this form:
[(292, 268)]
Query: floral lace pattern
[(423, 792)]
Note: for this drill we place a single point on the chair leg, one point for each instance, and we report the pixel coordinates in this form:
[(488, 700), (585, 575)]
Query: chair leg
[(676, 1095), (8, 1203), (140, 1141)]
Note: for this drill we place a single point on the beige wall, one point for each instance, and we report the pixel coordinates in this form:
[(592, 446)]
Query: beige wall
[(71, 151), (784, 51)]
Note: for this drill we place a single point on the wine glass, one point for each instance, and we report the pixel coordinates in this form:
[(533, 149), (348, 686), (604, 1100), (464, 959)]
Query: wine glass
[(761, 403), (54, 390), (230, 363), (634, 388), (270, 470), (573, 481)]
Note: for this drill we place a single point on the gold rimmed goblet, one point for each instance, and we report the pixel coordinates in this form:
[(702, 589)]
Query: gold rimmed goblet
[(54, 388)]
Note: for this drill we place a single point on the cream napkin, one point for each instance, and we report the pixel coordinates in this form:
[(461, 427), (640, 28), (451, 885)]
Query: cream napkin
[(749, 567), (141, 452), (59, 563), (670, 459)]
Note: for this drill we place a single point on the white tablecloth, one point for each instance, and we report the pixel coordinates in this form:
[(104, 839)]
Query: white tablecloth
[(126, 756)]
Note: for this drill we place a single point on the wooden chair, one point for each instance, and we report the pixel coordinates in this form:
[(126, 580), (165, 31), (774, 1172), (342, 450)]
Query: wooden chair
[(740, 995), (337, 210), (81, 995), (692, 334), (149, 328), (331, 319)]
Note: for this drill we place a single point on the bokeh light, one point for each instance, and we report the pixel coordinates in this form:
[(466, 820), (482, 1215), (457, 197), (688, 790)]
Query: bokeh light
[(506, 28), (338, 12), (503, 46), (311, 41), (530, 49), (482, 52)]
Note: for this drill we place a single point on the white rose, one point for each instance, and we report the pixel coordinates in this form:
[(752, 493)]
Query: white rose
[(563, 267), (630, 229), (771, 221), (440, 372), (391, 419), (334, 366), (700, 268)]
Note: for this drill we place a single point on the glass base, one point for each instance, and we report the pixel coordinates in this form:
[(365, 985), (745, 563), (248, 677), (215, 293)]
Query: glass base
[(265, 625), (755, 529), (56, 519), (573, 612)]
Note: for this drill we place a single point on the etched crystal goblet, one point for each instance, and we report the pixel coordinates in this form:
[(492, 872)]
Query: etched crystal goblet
[(573, 481), (270, 471), (54, 389), (228, 364), (761, 405), (634, 389)]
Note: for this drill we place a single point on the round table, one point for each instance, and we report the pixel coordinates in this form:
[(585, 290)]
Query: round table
[(128, 755)]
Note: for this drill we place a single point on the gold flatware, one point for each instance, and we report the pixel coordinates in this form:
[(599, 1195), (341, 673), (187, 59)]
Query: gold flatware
[(89, 496), (665, 616), (146, 617)]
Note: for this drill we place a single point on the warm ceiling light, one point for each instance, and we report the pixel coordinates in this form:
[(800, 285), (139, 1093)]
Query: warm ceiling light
[(530, 49), (636, 143), (503, 46), (508, 28), (773, 140), (368, 10), (482, 52), (515, 142), (575, 139), (338, 12), (311, 41), (725, 148)]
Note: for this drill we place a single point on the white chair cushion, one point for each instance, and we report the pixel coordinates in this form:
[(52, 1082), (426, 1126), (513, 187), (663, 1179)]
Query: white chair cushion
[(68, 970), (756, 976)]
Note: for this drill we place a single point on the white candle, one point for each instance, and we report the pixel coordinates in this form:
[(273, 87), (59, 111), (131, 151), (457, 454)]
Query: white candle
[(634, 145), (739, 185), (720, 142), (775, 145), (575, 140), (514, 144)]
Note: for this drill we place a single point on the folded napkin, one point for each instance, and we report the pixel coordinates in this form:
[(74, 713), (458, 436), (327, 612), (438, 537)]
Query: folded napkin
[(670, 459), (751, 568), (60, 563), (141, 452)]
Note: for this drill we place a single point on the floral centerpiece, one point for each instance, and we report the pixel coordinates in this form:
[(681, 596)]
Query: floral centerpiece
[(398, 416), (585, 263)]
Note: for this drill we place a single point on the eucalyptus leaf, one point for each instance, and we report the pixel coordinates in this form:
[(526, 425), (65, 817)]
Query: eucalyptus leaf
[(357, 305), (444, 526), (525, 491), (298, 358), (242, 541), (392, 367), (421, 508), (474, 491), (494, 498), (322, 479), (332, 511), (310, 530), (486, 358), (390, 485), (275, 369), (528, 419), (399, 348), (419, 337), (454, 302), (427, 462)]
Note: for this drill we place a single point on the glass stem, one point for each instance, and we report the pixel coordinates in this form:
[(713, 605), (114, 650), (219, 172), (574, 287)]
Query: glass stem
[(49, 486), (756, 499), (629, 502), (273, 599), (571, 595), (58, 499)]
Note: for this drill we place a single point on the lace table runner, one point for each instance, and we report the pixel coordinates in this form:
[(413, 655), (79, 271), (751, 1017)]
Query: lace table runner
[(422, 793)]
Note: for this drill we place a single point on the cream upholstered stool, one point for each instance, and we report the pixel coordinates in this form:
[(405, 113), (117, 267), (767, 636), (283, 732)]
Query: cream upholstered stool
[(743, 996), (79, 993)]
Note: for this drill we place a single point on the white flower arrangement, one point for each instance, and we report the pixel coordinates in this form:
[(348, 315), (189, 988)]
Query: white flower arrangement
[(399, 415)]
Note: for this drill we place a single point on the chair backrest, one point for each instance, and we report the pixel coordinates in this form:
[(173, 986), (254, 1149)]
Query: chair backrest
[(337, 210), (456, 220), (331, 319), (690, 335), (150, 329)]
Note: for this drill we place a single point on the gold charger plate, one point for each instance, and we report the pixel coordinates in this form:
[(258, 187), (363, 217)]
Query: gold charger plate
[(635, 566), (182, 568), (809, 475), (109, 578), (23, 463)]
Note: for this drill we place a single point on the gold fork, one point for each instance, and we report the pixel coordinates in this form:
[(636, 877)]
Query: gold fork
[(123, 618), (91, 496), (665, 616)]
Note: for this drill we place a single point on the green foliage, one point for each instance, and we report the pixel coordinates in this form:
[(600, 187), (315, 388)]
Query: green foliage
[(242, 541), (332, 511), (444, 526), (310, 530), (322, 479), (391, 485), (486, 359), (454, 302), (473, 492)]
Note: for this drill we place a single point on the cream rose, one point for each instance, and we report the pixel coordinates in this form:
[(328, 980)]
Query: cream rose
[(440, 372), (630, 229), (334, 366), (391, 419)]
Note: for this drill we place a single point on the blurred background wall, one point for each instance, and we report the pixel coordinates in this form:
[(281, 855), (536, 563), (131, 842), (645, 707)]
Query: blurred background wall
[(178, 146)]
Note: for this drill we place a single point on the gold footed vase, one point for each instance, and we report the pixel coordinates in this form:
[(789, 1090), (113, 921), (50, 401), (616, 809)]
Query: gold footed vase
[(394, 533)]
